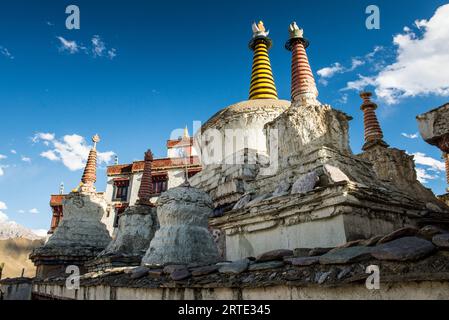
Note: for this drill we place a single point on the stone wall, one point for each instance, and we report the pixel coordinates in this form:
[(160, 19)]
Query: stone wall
[(416, 290), (15, 289)]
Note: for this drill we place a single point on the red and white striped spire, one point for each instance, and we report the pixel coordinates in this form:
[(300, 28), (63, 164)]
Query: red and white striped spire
[(303, 87), (373, 132)]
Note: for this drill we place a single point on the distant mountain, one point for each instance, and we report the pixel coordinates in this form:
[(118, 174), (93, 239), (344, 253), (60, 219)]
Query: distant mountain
[(14, 253), (13, 230)]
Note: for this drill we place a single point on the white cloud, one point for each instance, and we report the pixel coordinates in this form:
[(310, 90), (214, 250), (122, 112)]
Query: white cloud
[(13, 151), (2, 172), (26, 159), (329, 72), (50, 155), (5, 52), (423, 176), (3, 216), (42, 136), (67, 45), (421, 65), (72, 151), (410, 135), (434, 164), (112, 53), (98, 46), (34, 211), (338, 68), (21, 211)]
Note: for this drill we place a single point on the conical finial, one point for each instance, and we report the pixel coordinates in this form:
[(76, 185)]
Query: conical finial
[(262, 81), (303, 88), (373, 131), (295, 31), (90, 171), (95, 140), (186, 133), (146, 183)]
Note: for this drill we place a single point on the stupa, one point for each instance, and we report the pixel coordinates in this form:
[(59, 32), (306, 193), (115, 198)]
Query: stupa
[(81, 235), (136, 228), (318, 194)]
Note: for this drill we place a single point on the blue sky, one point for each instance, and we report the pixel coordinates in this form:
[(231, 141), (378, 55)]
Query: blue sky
[(136, 70)]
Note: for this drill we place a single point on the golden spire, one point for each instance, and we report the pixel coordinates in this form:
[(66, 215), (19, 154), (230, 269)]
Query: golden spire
[(186, 133), (262, 81)]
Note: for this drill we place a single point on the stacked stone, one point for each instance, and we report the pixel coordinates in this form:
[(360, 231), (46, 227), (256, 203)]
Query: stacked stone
[(303, 85), (373, 132), (146, 184), (90, 171), (262, 81)]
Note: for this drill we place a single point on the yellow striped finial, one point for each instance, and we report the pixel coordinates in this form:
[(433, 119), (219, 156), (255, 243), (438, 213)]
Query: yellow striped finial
[(186, 133), (262, 80)]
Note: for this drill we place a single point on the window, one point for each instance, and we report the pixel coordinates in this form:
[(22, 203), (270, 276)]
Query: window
[(121, 189), (160, 184), (121, 193)]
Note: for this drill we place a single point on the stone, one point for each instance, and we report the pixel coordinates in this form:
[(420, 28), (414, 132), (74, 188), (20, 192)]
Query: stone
[(274, 255), (258, 200), (266, 265), (305, 183), (433, 207), (428, 232), (169, 269), (282, 189), (441, 241), (139, 272), (346, 255), (319, 251), (183, 236), (155, 273), (400, 233), (202, 271), (242, 202), (303, 261), (181, 274), (334, 174), (348, 245), (344, 272), (321, 277), (301, 252), (235, 267), (404, 249), (371, 241), (136, 229)]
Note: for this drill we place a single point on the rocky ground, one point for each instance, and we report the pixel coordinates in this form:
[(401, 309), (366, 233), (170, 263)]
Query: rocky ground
[(408, 254)]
